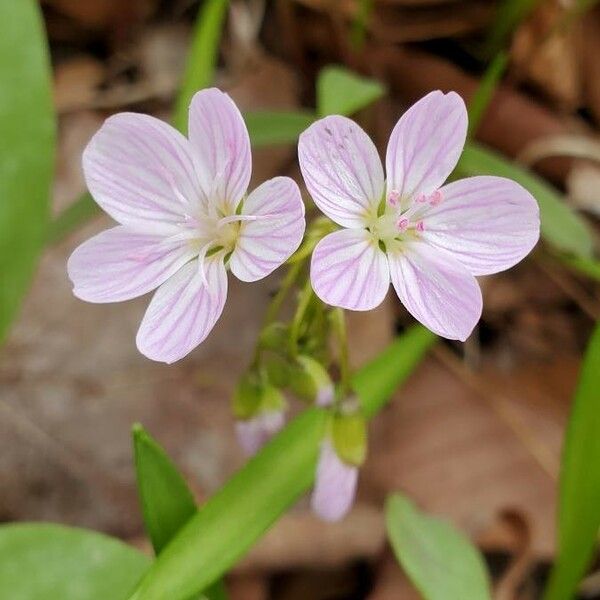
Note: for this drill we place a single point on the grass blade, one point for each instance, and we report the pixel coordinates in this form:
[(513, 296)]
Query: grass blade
[(202, 58), (579, 494)]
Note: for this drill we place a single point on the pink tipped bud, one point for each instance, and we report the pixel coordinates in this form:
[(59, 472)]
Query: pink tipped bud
[(325, 395), (394, 197), (402, 225), (335, 485), (254, 433), (436, 198)]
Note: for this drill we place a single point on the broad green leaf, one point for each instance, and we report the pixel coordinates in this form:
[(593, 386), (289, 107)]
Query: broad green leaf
[(439, 560), (561, 226), (27, 126), (167, 502), (202, 58), (53, 562), (579, 495), (486, 89), (342, 92), (236, 516), (269, 128)]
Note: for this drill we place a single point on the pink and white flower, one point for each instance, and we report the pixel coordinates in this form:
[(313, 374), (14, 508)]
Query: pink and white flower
[(183, 220), (429, 239)]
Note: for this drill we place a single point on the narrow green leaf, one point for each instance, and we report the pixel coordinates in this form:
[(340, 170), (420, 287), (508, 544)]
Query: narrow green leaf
[(202, 58), (342, 92), (561, 226), (270, 128), (508, 16), (42, 560), (27, 123), (485, 92), (167, 502), (439, 560), (78, 213), (236, 516), (579, 499)]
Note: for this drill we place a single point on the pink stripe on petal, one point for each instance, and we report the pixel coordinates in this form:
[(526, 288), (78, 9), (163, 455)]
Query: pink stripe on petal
[(119, 264), (335, 485), (265, 243), (183, 311), (141, 172), (342, 170), (348, 269), (220, 139), (426, 144), (436, 289), (487, 223)]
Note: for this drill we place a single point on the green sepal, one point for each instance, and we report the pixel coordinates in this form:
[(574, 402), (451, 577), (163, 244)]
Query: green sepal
[(308, 377), (349, 435), (274, 337)]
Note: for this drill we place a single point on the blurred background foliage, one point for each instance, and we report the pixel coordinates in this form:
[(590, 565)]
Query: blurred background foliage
[(475, 436)]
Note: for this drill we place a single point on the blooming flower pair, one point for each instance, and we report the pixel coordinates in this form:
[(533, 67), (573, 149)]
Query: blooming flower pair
[(185, 219)]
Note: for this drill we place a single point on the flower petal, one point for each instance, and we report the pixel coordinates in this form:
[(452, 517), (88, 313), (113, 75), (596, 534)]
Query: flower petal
[(120, 264), (348, 269), (342, 170), (426, 144), (254, 433), (265, 243), (183, 311), (220, 139), (141, 172), (487, 223), (436, 289), (335, 485)]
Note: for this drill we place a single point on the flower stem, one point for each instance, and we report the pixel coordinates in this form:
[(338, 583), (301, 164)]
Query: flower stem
[(304, 298), (338, 318)]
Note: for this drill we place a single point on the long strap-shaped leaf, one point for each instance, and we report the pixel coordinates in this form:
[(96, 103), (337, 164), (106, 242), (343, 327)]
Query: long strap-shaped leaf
[(237, 515), (167, 502), (27, 125), (579, 504)]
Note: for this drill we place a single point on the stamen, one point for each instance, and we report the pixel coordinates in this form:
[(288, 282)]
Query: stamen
[(436, 198), (421, 198), (420, 226), (393, 198), (402, 224)]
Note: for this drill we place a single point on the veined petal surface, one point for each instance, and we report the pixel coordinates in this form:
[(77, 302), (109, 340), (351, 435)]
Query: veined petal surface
[(267, 242), (342, 170)]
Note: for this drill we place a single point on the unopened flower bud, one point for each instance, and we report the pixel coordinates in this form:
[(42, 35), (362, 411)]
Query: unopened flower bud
[(274, 336), (259, 408), (309, 380), (335, 485)]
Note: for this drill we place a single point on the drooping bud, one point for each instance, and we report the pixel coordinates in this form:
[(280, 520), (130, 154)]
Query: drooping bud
[(259, 408), (343, 451), (335, 485), (310, 381)]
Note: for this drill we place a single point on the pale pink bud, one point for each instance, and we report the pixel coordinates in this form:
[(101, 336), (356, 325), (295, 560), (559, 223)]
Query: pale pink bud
[(335, 485), (254, 433)]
